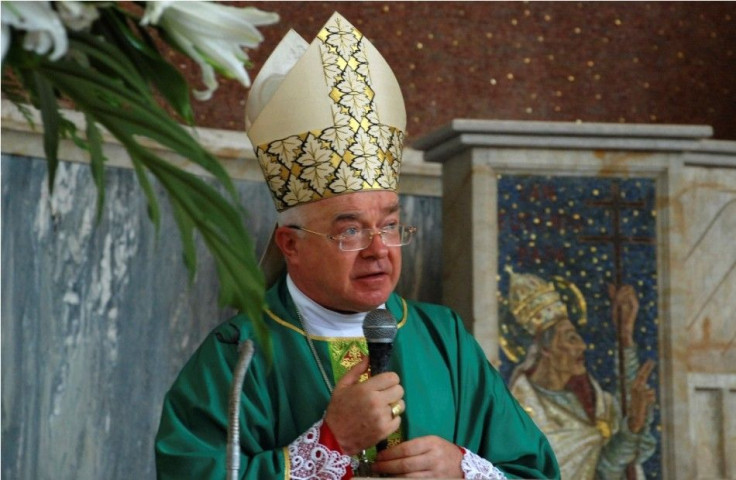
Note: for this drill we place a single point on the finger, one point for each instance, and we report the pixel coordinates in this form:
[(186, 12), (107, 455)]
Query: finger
[(353, 375), (386, 402), (429, 456), (402, 407), (394, 393), (643, 374), (393, 463), (651, 396), (384, 381), (415, 447)]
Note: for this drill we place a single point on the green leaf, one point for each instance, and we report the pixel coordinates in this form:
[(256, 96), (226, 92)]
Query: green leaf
[(107, 98), (12, 89), (51, 119), (97, 162), (241, 282), (149, 62), (154, 212), (108, 62), (67, 129), (186, 230)]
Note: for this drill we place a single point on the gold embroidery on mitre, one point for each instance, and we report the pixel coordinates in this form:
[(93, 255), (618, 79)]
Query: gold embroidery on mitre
[(356, 153)]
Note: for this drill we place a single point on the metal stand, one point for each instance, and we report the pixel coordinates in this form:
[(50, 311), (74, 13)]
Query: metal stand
[(233, 428)]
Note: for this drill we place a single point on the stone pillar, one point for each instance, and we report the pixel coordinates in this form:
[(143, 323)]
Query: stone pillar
[(475, 153)]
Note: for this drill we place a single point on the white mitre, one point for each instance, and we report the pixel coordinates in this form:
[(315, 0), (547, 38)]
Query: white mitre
[(327, 118)]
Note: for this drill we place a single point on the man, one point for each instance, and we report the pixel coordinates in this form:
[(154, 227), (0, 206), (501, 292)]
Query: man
[(584, 423), (327, 122)]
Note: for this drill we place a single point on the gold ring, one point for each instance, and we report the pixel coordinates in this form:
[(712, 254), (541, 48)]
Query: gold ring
[(396, 409)]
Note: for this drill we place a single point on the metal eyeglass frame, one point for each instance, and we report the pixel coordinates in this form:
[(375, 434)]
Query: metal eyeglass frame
[(340, 237)]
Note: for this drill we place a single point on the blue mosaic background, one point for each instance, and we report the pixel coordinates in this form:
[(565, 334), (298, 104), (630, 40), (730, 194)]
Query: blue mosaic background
[(544, 229)]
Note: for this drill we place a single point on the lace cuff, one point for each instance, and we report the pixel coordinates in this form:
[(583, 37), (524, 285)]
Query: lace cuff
[(316, 455), (478, 468)]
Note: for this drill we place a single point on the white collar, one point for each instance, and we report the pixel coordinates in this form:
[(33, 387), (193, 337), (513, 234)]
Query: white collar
[(323, 322)]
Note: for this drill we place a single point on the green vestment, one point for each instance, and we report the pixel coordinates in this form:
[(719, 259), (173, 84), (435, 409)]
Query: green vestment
[(451, 390)]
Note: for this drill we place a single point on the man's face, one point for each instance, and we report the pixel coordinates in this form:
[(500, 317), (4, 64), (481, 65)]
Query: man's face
[(567, 351), (357, 281)]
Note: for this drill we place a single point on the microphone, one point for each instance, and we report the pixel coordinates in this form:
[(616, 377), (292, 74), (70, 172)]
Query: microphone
[(379, 330)]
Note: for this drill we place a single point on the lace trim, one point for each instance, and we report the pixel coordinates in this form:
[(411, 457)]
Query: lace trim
[(309, 459), (478, 468)]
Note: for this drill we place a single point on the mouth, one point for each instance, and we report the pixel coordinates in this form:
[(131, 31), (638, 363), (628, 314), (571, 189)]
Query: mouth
[(371, 275)]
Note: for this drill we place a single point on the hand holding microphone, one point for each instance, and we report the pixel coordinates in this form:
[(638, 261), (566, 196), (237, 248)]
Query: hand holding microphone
[(379, 330), (362, 414)]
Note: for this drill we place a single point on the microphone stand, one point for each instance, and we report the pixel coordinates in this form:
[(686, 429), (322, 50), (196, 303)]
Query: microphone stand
[(233, 429)]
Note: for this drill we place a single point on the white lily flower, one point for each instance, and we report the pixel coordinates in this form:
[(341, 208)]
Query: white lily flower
[(43, 26), (213, 35), (77, 15), (5, 42)]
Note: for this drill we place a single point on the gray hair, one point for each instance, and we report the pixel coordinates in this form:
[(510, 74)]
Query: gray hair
[(290, 216)]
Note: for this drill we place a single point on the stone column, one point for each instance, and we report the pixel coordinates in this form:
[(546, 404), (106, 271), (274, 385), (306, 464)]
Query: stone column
[(474, 153)]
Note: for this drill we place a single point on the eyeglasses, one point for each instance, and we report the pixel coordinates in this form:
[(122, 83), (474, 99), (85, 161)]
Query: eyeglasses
[(353, 239)]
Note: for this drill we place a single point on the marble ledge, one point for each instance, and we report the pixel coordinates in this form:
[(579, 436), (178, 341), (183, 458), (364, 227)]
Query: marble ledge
[(712, 153), (691, 140), (233, 148)]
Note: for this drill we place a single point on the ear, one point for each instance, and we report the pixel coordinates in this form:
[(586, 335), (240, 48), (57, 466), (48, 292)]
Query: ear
[(286, 240)]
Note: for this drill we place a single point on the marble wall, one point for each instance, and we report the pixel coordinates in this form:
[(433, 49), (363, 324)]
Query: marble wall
[(708, 223), (96, 320)]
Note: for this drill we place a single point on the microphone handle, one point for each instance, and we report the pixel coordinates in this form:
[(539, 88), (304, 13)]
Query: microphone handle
[(379, 356), (379, 359)]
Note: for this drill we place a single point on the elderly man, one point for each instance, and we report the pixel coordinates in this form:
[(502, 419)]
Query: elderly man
[(327, 122)]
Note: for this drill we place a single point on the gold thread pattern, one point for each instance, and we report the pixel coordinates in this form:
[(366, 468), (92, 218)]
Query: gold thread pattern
[(357, 153), (345, 354)]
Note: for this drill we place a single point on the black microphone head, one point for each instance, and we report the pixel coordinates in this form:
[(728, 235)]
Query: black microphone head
[(379, 326)]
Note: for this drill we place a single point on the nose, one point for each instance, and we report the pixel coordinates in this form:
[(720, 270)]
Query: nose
[(377, 233), (377, 248)]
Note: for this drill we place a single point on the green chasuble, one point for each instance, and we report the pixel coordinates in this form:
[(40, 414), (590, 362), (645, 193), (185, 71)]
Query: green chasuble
[(451, 390)]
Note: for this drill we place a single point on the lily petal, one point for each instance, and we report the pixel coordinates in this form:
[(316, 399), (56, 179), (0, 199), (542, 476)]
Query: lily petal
[(77, 15), (213, 35), (195, 24), (5, 42), (208, 72), (42, 24), (227, 58), (153, 12)]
